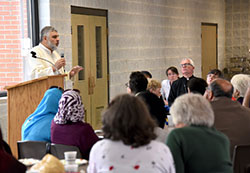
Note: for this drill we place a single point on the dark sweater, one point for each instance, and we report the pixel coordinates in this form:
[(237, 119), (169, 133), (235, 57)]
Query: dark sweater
[(178, 88), (199, 149), (155, 106), (78, 134)]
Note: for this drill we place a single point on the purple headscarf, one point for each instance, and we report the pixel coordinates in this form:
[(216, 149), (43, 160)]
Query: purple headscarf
[(70, 108)]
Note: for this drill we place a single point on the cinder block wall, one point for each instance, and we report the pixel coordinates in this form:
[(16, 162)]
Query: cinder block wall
[(237, 36), (144, 34), (3, 117)]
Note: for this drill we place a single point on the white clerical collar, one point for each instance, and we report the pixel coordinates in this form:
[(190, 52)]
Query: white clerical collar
[(137, 94)]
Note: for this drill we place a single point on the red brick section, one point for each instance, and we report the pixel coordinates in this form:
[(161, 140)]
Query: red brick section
[(11, 63)]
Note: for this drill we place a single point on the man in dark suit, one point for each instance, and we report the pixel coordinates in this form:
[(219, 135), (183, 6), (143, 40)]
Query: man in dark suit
[(138, 85), (231, 117), (179, 86)]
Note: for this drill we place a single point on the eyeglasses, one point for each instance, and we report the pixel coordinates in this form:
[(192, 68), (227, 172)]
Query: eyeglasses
[(186, 64), (127, 85), (60, 88)]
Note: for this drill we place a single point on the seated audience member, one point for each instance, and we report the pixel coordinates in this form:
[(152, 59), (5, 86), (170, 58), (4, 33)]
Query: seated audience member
[(246, 100), (231, 118), (172, 75), (8, 163), (196, 146), (5, 146), (68, 127), (213, 74), (154, 87), (138, 85), (240, 83), (128, 144), (147, 74), (197, 85), (37, 126)]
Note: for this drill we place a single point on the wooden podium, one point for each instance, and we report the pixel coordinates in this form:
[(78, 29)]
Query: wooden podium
[(23, 100)]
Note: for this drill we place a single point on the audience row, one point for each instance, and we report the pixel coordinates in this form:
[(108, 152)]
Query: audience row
[(208, 116)]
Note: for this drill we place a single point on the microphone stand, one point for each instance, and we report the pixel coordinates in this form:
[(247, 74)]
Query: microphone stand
[(34, 56), (57, 71)]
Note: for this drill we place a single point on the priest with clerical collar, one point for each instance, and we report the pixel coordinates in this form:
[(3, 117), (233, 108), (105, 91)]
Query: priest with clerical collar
[(179, 86)]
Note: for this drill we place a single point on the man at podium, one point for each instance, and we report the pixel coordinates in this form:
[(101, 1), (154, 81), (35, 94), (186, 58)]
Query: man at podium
[(43, 60)]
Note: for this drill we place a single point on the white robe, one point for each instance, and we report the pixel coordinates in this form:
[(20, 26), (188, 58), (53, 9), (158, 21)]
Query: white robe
[(36, 68)]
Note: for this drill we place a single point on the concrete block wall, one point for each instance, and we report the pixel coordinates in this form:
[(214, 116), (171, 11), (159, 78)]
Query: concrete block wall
[(237, 36), (144, 34), (3, 117)]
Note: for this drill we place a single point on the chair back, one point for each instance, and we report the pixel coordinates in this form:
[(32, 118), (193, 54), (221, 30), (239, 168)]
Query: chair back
[(241, 159), (32, 149), (59, 149)]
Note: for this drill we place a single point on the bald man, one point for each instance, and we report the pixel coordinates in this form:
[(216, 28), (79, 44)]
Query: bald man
[(231, 118)]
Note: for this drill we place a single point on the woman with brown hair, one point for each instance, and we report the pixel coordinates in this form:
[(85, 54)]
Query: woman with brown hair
[(128, 143)]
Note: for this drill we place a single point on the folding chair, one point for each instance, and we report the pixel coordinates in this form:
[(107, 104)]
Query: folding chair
[(241, 159), (59, 149), (32, 149)]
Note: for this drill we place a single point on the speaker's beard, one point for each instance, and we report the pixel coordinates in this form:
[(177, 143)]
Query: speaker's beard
[(52, 46)]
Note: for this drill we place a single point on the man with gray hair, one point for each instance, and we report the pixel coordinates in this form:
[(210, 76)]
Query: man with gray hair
[(179, 86), (195, 144), (37, 67), (231, 118), (240, 83)]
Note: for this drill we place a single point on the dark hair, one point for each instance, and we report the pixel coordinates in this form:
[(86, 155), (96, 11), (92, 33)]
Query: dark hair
[(128, 119), (147, 74), (218, 91), (216, 72), (197, 85), (173, 69), (137, 82), (60, 88)]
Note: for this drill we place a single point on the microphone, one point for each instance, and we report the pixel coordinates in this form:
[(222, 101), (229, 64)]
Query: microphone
[(34, 56), (62, 56)]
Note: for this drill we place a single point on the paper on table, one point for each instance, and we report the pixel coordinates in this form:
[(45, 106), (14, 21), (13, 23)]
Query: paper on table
[(78, 161)]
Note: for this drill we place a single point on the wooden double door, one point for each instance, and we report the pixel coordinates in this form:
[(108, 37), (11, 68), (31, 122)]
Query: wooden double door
[(89, 49)]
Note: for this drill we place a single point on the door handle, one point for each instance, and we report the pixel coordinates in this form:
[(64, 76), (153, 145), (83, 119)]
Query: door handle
[(93, 82), (85, 115), (89, 85)]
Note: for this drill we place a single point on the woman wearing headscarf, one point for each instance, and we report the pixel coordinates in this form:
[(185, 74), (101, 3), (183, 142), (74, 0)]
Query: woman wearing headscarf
[(7, 162), (68, 127), (37, 126)]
